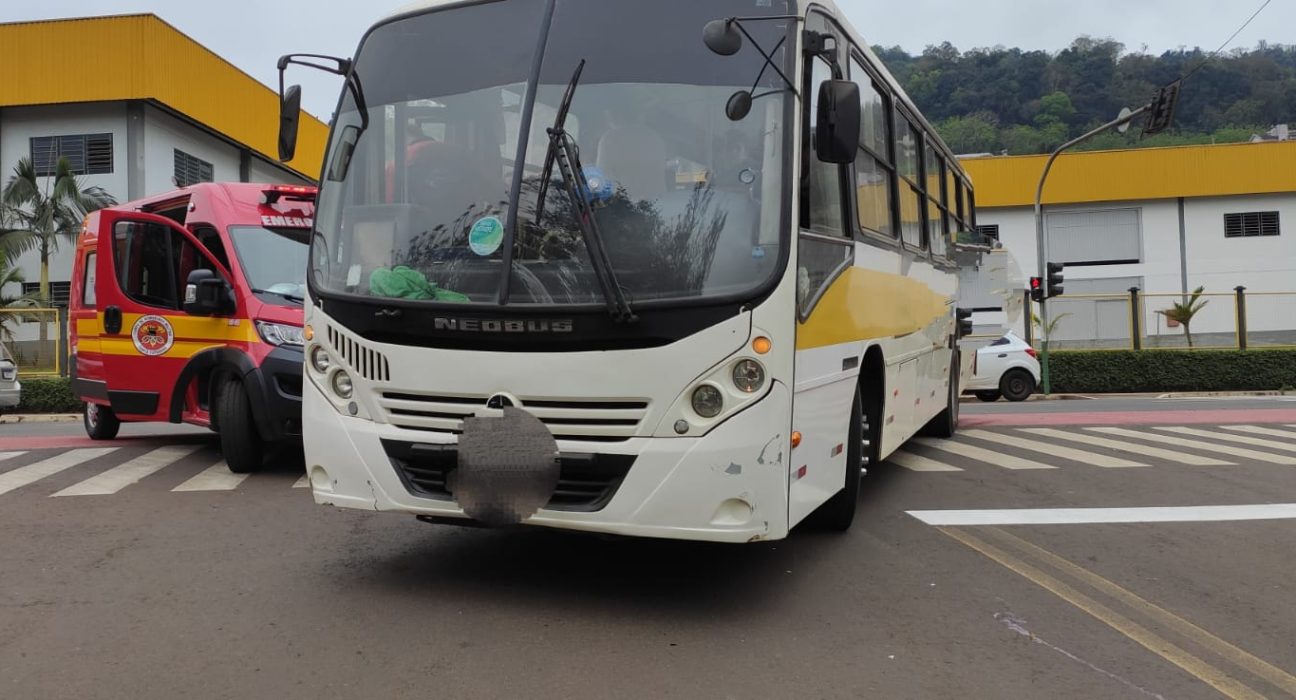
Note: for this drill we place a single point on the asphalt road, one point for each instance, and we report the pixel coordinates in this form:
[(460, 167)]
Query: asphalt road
[(249, 590)]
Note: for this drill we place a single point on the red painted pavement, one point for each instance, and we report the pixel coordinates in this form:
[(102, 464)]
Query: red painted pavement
[(1195, 417)]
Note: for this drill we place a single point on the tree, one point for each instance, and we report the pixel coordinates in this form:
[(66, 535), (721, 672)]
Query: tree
[(1182, 312), (39, 215), (9, 274), (1048, 331)]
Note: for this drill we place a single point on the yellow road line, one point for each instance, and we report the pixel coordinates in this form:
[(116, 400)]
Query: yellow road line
[(1154, 643), (1242, 658)]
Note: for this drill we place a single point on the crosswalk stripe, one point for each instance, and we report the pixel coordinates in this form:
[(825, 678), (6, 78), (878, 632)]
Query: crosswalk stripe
[(981, 454), (1229, 437), (1257, 430), (919, 463), (217, 477), (1145, 450), (125, 474), (36, 471), (10, 455), (1082, 456), (1199, 445), (302, 482)]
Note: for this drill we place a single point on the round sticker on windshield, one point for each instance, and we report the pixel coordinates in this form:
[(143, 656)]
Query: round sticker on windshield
[(152, 335), (486, 236)]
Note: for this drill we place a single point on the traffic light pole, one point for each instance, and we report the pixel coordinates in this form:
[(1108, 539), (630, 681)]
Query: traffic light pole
[(1041, 241)]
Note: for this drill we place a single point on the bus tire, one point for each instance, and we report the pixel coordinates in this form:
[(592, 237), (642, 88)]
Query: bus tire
[(945, 424), (1017, 385), (989, 396), (242, 446), (839, 511), (100, 421)]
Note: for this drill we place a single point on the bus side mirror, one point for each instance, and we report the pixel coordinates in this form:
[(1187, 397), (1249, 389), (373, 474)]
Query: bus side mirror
[(289, 118), (206, 294), (837, 123)]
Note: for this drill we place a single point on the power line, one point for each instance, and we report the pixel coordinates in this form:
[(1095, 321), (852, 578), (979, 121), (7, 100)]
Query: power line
[(1228, 41)]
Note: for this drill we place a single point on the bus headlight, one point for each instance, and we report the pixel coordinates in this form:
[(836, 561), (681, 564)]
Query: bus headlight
[(320, 360), (342, 384), (749, 376), (708, 402)]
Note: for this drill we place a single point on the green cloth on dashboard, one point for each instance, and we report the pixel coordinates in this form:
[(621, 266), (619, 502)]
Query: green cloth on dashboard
[(405, 283)]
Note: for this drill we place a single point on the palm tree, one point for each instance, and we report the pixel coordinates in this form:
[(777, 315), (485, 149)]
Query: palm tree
[(45, 216), (10, 274), (1052, 324), (1182, 312), (38, 216)]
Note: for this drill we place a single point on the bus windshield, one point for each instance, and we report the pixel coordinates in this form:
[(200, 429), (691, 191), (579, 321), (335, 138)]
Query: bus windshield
[(434, 198)]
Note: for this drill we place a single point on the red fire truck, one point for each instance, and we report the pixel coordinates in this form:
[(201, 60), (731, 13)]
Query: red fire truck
[(187, 308)]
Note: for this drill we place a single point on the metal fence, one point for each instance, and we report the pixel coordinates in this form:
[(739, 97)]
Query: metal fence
[(35, 339), (1148, 321)]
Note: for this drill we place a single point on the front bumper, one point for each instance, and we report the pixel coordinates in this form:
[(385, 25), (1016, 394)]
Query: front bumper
[(730, 486), (275, 389), (10, 397)]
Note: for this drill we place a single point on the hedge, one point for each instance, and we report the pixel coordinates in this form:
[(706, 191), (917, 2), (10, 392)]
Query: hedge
[(47, 396), (1120, 371)]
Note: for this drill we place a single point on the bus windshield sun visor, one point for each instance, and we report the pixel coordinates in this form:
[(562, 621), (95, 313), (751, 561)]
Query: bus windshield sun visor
[(725, 38), (564, 152)]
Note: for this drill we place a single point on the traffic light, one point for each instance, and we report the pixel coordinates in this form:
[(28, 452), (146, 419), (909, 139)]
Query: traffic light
[(1054, 286), (964, 317), (1037, 289), (1163, 109)]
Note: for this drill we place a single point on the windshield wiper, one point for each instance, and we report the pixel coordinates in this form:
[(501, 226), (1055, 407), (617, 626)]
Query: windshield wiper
[(563, 152), (290, 297)]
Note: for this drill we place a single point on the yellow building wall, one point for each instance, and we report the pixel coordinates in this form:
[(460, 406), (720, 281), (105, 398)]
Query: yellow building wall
[(141, 57), (1137, 174)]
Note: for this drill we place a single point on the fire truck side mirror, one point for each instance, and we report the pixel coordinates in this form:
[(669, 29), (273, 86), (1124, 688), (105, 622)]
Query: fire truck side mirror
[(289, 118), (206, 294)]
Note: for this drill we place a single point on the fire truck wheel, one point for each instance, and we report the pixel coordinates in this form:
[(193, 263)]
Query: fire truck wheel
[(100, 422), (240, 443)]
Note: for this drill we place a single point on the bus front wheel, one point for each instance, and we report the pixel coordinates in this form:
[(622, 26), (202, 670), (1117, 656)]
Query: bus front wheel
[(839, 512)]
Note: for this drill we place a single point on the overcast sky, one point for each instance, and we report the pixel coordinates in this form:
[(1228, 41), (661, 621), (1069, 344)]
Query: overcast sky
[(253, 34)]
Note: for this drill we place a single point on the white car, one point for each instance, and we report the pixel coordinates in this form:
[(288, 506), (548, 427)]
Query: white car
[(10, 389), (1007, 368)]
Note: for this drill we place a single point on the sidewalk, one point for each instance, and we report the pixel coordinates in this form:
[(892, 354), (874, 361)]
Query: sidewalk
[(11, 418)]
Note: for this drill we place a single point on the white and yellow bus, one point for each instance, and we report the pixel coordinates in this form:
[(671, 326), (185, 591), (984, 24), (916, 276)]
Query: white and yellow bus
[(670, 269)]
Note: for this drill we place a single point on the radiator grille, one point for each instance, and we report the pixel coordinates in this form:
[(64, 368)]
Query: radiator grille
[(367, 363), (592, 420)]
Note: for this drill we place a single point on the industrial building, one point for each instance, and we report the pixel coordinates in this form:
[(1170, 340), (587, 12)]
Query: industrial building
[(1159, 220), (137, 107)]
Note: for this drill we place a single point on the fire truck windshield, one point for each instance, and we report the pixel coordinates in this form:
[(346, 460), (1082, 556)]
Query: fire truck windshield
[(436, 200), (273, 260)]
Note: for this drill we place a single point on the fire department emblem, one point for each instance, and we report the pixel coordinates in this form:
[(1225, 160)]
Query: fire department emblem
[(152, 335)]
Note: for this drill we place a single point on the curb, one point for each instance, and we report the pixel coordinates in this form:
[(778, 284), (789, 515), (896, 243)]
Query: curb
[(39, 418)]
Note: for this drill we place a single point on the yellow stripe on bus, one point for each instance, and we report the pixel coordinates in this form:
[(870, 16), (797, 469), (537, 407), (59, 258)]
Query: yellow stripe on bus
[(866, 304)]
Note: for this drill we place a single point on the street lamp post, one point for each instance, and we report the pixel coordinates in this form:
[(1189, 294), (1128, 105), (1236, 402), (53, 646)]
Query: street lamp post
[(1041, 241)]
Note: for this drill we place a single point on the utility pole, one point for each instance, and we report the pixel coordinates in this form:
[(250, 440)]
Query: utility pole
[(1041, 241)]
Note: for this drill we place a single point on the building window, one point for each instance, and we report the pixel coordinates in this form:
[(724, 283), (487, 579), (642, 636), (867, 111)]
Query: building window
[(190, 170), (60, 292), (1256, 223), (88, 154), (990, 231)]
